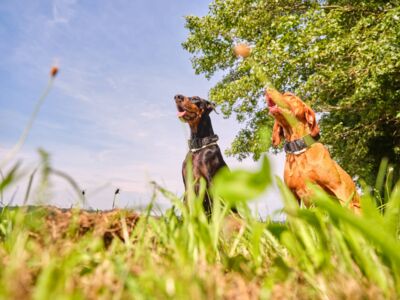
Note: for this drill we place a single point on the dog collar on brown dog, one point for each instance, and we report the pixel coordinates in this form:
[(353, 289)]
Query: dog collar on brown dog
[(196, 144), (299, 146)]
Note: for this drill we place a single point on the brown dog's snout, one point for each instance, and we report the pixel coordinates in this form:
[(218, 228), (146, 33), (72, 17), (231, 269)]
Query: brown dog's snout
[(179, 98)]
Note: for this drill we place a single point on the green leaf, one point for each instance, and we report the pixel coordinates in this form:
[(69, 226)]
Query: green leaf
[(239, 185)]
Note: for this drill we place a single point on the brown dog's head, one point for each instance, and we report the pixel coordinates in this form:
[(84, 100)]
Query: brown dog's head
[(191, 109), (293, 118)]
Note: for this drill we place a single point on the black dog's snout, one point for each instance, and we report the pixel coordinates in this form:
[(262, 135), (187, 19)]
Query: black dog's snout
[(179, 98)]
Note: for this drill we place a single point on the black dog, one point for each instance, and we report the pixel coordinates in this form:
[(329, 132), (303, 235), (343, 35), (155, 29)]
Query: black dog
[(203, 149)]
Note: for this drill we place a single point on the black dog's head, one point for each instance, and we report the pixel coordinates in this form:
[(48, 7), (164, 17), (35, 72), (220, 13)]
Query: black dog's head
[(191, 109)]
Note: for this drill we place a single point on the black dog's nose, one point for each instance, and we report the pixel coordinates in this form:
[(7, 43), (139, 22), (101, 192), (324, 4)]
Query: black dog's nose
[(179, 98)]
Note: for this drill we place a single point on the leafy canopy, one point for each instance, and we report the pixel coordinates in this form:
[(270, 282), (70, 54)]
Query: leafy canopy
[(342, 57)]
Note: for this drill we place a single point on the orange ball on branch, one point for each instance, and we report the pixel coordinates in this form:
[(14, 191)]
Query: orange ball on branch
[(242, 50)]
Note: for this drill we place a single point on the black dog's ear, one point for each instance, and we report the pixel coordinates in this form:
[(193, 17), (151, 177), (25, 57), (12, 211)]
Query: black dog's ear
[(208, 106), (211, 106)]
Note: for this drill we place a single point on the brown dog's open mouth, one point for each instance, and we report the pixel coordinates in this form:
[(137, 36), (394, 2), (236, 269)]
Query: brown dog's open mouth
[(274, 109), (272, 106)]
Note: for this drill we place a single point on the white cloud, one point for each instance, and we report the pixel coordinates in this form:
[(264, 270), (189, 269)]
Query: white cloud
[(63, 10)]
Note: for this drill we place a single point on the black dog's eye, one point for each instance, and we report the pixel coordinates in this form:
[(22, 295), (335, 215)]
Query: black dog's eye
[(195, 100)]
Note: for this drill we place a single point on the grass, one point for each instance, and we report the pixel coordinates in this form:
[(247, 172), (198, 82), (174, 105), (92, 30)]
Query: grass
[(324, 252)]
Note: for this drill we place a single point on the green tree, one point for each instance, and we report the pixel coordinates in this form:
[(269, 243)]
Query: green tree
[(342, 57)]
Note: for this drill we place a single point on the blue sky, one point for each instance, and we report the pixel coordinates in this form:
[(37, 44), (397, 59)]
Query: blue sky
[(110, 120)]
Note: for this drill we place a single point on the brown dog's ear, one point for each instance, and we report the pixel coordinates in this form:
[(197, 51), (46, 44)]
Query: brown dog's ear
[(277, 134), (311, 121)]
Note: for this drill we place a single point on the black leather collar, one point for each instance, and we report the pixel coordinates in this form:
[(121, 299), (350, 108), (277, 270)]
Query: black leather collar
[(199, 143), (299, 146)]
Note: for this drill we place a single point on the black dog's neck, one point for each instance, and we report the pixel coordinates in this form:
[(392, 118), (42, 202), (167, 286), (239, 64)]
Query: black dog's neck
[(204, 129)]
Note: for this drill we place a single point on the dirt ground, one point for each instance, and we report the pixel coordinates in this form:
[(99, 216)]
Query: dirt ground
[(106, 224)]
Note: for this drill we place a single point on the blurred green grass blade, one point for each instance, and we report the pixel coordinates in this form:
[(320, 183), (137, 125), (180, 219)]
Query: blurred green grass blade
[(389, 245), (369, 209), (46, 282), (298, 222), (380, 179), (392, 212), (256, 233), (305, 239), (170, 196), (361, 252), (388, 183), (340, 246), (288, 239), (10, 177), (289, 200), (189, 184), (239, 185), (313, 236)]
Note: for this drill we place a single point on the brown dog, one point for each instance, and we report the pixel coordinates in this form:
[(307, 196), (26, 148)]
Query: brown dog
[(306, 159)]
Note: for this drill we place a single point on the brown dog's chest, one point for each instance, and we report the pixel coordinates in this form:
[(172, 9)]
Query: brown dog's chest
[(304, 167)]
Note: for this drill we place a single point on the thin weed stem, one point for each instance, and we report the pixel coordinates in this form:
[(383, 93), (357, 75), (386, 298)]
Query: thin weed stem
[(28, 189), (10, 203), (115, 196), (11, 154), (1, 192), (73, 183)]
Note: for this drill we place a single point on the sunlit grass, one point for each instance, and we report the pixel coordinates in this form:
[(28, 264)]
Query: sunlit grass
[(324, 252)]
